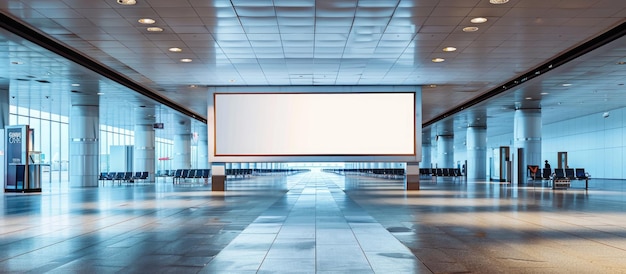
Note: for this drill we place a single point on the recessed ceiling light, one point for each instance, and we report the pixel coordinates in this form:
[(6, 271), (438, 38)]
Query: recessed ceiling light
[(175, 49), (146, 21), (154, 29), (186, 60), (438, 60), (478, 20), (566, 85), (100, 93), (126, 2), (544, 93), (498, 2), (470, 29), (76, 85), (449, 49), (529, 98)]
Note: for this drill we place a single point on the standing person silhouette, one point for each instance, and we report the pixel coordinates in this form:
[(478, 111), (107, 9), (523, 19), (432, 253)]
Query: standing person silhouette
[(547, 165)]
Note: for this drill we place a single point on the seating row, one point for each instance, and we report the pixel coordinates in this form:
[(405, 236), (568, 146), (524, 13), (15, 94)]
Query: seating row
[(560, 177), (388, 173), (246, 172), (123, 176), (441, 172), (183, 174)]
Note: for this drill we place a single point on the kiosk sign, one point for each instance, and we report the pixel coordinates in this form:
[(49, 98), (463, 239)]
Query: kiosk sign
[(15, 146)]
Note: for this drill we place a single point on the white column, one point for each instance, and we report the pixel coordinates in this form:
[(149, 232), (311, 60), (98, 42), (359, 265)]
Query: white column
[(84, 148), (426, 156), (144, 151), (445, 151), (182, 145), (203, 149), (4, 103), (476, 153), (4, 122), (527, 136)]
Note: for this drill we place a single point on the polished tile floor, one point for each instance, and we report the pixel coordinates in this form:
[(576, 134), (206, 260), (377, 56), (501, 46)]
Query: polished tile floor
[(316, 223)]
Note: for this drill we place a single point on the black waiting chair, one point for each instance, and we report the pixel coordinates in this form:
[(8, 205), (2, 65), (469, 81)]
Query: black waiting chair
[(581, 174), (559, 173), (569, 174)]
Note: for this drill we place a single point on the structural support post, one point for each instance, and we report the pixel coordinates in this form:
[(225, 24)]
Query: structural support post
[(476, 153), (4, 122), (84, 145), (412, 176), (182, 145), (218, 176), (527, 134), (144, 150), (445, 151)]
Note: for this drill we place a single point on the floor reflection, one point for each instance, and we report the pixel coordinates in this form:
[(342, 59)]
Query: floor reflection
[(316, 222)]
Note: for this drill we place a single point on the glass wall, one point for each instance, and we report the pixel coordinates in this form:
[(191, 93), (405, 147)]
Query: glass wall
[(51, 138)]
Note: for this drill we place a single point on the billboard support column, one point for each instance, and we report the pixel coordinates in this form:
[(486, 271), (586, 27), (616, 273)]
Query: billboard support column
[(413, 176)]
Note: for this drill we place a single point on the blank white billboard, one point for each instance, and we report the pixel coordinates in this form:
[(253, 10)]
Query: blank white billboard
[(314, 124)]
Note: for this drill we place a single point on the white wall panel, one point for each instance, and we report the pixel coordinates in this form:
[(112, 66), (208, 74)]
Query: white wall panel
[(592, 142)]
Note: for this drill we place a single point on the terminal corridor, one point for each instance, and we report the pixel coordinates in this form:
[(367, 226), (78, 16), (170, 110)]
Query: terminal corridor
[(316, 222)]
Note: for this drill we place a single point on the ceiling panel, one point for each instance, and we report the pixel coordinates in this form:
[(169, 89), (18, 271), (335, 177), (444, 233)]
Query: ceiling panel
[(345, 42)]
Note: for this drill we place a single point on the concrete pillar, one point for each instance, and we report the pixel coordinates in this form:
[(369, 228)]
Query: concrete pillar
[(84, 148), (426, 156), (527, 136), (412, 176), (4, 103), (203, 148), (182, 145), (218, 176), (476, 153), (144, 147), (4, 122), (445, 151)]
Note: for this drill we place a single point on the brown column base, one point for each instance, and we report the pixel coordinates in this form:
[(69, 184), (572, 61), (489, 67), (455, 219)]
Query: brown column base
[(218, 182), (413, 182)]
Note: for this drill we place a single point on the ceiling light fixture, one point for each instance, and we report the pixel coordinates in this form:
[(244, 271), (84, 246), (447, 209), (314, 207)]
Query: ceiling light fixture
[(478, 20), (566, 85), (175, 49), (146, 21), (154, 29), (470, 29), (529, 98), (438, 60), (76, 85), (186, 60), (126, 2), (544, 93), (100, 93), (449, 49), (498, 2)]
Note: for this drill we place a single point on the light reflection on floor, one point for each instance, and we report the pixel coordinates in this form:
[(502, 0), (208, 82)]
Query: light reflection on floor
[(316, 222)]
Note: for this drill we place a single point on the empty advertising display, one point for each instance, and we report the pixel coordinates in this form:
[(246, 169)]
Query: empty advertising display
[(314, 124)]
